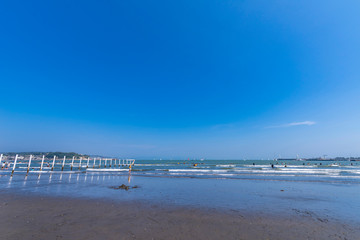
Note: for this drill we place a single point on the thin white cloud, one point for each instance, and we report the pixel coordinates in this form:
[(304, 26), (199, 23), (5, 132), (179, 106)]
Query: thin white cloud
[(293, 124)]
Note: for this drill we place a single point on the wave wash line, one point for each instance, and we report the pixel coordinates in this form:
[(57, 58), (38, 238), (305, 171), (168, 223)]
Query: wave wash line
[(38, 164)]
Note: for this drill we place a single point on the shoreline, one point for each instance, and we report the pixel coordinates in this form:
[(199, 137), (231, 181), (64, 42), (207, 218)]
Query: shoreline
[(24, 216)]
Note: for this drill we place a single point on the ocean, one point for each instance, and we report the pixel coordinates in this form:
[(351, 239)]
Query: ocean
[(330, 171), (325, 188)]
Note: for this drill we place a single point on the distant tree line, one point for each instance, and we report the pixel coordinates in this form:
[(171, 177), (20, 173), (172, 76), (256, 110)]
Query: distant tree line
[(50, 154)]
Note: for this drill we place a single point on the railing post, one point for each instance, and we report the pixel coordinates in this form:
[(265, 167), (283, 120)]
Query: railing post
[(87, 164), (100, 163), (42, 162), (105, 161), (72, 162), (12, 172), (80, 163), (28, 169), (94, 162), (53, 163), (63, 164), (1, 157)]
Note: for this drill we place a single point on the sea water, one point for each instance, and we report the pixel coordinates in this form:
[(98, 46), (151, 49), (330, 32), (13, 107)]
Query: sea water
[(346, 171), (325, 188)]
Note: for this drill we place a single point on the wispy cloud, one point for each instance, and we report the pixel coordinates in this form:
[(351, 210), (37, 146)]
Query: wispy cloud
[(293, 124)]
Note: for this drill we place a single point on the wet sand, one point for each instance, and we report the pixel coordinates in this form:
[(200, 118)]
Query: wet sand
[(38, 217)]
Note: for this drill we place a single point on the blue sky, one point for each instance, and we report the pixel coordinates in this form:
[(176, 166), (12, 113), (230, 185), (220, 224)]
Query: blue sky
[(166, 79)]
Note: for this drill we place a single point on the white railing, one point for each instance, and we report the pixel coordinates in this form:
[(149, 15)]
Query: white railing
[(31, 163)]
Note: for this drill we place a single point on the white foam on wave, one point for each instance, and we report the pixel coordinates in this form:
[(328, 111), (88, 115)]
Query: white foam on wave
[(226, 165), (313, 171), (269, 170), (196, 170), (289, 166)]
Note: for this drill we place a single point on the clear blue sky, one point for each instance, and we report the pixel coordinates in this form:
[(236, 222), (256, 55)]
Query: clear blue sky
[(179, 79)]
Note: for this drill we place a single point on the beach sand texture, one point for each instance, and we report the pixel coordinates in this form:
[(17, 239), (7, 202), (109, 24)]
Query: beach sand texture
[(35, 217)]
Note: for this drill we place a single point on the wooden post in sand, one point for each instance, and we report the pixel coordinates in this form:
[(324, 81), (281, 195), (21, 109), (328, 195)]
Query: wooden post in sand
[(28, 169), (72, 163), (53, 163), (80, 163), (63, 164), (12, 172), (94, 162), (87, 164), (42, 163)]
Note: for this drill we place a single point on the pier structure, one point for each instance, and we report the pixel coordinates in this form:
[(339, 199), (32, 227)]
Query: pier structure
[(28, 164)]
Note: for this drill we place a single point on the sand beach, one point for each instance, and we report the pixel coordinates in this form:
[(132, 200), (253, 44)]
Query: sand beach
[(29, 217)]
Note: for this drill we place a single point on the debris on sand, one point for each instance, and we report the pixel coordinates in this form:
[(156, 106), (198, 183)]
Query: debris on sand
[(123, 186)]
